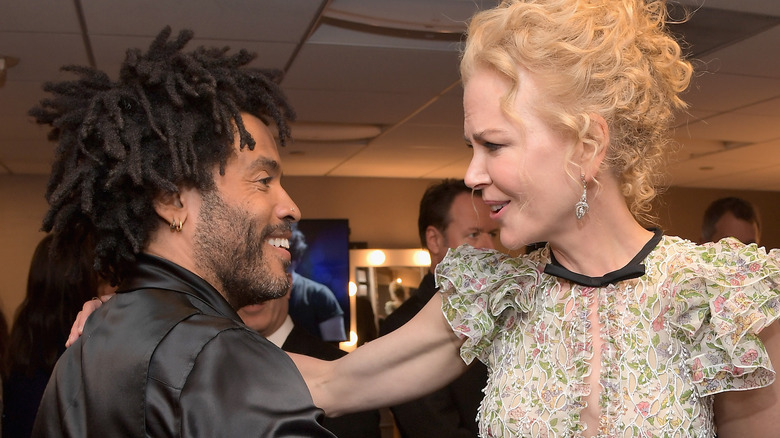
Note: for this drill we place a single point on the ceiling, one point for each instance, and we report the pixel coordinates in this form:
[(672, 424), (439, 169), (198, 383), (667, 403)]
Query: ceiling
[(375, 82)]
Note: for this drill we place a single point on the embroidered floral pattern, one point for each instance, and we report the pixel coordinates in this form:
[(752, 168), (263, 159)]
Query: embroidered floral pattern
[(670, 339)]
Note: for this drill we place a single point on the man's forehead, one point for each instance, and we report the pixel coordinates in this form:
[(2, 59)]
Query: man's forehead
[(253, 161), (731, 226), (469, 211), (265, 153), (467, 201)]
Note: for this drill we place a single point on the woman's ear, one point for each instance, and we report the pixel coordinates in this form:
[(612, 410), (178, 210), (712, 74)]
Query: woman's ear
[(595, 151)]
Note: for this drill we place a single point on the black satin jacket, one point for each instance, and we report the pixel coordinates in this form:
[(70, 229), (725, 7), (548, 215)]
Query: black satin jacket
[(168, 357)]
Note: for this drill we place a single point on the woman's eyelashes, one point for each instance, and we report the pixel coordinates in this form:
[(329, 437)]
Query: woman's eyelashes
[(489, 145), (492, 146), (485, 144)]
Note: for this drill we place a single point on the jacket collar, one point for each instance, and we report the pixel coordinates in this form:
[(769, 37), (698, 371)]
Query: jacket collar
[(152, 272)]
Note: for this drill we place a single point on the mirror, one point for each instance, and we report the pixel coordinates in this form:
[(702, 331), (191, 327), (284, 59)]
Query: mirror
[(373, 274)]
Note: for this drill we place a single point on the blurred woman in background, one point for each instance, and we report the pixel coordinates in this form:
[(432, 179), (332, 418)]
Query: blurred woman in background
[(57, 286)]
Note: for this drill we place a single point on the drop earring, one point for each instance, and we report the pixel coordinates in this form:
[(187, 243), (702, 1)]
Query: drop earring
[(582, 206)]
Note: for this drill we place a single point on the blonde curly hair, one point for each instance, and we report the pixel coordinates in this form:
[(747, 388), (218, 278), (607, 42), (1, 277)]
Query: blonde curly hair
[(613, 58)]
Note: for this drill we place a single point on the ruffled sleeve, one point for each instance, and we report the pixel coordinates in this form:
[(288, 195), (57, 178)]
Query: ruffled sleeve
[(725, 294), (484, 291)]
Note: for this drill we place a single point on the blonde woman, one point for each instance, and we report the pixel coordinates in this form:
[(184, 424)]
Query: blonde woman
[(611, 329)]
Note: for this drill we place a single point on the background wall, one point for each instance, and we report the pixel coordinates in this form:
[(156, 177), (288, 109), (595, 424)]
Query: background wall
[(382, 212)]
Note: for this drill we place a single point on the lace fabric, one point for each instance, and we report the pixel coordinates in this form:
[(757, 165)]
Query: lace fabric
[(671, 338)]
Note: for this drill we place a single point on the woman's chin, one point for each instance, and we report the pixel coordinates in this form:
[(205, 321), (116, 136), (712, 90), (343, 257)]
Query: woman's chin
[(512, 242)]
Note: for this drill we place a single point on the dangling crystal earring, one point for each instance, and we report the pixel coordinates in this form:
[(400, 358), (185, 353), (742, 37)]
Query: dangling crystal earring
[(582, 207)]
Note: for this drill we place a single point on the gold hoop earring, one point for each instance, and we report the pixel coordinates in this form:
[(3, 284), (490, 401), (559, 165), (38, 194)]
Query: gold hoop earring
[(177, 226)]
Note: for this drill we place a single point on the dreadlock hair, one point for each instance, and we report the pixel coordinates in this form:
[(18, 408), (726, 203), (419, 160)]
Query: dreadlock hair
[(166, 123)]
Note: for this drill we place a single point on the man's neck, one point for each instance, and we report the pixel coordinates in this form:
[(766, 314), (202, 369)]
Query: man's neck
[(177, 248)]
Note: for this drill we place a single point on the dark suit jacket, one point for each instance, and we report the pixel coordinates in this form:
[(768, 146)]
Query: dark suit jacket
[(168, 357), (357, 425), (449, 412)]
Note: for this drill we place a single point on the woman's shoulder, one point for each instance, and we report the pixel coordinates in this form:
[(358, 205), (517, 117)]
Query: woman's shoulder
[(482, 289), (485, 267), (720, 261), (490, 279), (723, 294)]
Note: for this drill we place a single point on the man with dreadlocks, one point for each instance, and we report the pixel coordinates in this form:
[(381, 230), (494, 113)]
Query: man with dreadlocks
[(175, 174)]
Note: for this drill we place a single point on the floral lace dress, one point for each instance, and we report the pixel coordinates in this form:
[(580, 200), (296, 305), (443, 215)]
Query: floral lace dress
[(678, 325)]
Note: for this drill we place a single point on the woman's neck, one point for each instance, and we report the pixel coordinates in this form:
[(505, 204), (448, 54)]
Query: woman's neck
[(607, 238)]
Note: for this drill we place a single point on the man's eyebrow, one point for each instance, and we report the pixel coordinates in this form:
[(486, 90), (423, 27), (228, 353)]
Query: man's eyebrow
[(264, 163)]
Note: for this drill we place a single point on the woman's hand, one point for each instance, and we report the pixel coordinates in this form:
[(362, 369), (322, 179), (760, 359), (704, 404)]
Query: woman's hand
[(89, 307)]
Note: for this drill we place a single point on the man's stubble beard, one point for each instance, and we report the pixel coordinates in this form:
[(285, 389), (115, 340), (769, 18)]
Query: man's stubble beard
[(229, 246)]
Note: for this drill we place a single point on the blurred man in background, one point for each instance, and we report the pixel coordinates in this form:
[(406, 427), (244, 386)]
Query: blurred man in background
[(451, 214), (731, 217)]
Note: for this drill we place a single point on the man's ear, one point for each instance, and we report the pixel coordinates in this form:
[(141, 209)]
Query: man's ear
[(594, 152), (171, 208), (434, 240)]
